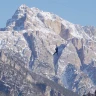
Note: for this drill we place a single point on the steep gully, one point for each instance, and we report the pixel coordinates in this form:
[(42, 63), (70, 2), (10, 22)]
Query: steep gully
[(30, 40)]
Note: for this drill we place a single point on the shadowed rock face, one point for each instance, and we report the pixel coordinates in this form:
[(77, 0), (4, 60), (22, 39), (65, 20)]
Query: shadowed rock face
[(33, 35)]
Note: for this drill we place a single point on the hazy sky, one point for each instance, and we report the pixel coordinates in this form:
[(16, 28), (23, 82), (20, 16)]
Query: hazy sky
[(81, 12)]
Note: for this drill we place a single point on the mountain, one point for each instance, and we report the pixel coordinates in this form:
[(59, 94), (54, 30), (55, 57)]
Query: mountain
[(35, 34)]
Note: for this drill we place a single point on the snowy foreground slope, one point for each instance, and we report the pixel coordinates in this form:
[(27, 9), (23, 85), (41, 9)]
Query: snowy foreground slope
[(34, 34)]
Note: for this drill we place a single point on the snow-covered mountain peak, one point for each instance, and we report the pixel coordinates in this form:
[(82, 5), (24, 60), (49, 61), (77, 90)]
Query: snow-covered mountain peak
[(26, 18), (34, 34), (32, 18)]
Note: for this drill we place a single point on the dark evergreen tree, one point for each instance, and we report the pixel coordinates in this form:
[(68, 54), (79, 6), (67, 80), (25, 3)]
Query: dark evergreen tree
[(56, 50)]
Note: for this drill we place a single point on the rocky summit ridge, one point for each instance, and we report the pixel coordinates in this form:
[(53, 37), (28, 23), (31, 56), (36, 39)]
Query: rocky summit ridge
[(34, 35)]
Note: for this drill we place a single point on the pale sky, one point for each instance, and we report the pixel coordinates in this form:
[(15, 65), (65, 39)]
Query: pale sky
[(81, 12)]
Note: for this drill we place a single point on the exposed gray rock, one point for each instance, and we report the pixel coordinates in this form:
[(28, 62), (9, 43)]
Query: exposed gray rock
[(16, 79)]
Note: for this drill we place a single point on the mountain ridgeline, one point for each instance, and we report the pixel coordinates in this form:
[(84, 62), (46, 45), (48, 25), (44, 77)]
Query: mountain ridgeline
[(45, 55)]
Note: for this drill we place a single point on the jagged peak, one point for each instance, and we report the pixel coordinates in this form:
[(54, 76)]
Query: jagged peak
[(19, 13), (23, 6), (22, 10)]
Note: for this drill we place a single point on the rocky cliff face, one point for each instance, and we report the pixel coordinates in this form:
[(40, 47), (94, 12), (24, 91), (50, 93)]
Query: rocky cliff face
[(34, 34), (17, 80)]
